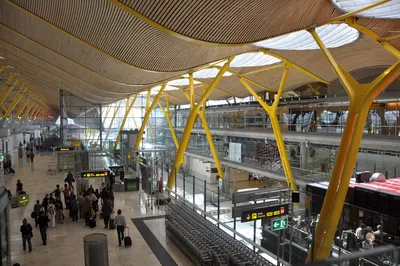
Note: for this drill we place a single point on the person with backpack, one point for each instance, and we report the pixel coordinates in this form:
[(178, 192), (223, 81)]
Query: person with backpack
[(26, 231), (37, 208), (73, 208), (43, 224), (51, 213), (120, 223)]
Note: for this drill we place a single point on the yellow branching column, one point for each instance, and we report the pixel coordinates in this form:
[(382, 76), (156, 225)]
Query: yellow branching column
[(149, 109), (167, 115), (28, 110), (272, 113), (190, 122), (361, 97), (112, 120), (128, 109), (22, 106), (14, 102)]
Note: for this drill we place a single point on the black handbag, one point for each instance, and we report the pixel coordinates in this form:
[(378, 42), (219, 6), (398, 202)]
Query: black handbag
[(33, 215)]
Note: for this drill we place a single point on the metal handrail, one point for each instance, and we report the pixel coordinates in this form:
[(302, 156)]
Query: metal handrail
[(228, 228)]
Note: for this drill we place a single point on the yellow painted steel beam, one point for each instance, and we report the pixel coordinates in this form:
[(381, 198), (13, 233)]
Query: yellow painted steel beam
[(7, 89), (112, 120), (272, 113), (22, 107), (191, 90), (34, 114), (28, 110), (106, 114), (190, 122), (149, 109), (214, 152), (247, 79), (263, 69), (33, 111), (352, 22), (361, 97), (314, 91), (390, 38), (294, 65), (14, 103), (2, 69), (128, 108), (167, 116)]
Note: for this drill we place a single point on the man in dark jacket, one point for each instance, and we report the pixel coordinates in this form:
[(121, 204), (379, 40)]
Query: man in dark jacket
[(43, 222), (37, 209), (73, 208), (106, 209), (45, 203), (69, 180)]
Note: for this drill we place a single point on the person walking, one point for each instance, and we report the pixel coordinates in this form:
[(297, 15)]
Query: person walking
[(73, 208), (51, 212), (87, 207), (20, 187), (106, 209), (45, 203), (32, 156), (69, 180), (59, 210), (120, 223), (26, 231), (67, 194), (43, 222), (37, 209), (57, 192)]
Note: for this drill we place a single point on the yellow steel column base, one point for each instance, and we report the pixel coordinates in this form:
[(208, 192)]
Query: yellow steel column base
[(361, 97)]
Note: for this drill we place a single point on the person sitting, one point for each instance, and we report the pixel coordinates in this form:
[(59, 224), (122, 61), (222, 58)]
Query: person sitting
[(19, 187)]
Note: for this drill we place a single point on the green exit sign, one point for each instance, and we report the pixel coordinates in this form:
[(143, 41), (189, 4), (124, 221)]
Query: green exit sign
[(279, 224)]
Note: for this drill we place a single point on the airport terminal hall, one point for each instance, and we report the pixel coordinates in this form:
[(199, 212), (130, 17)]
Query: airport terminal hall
[(199, 132)]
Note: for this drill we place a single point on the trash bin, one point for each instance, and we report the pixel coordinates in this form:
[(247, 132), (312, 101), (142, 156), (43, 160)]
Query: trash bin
[(96, 250)]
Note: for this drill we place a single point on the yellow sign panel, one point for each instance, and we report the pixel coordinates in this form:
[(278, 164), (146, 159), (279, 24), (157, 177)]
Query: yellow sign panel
[(277, 212), (269, 214), (254, 216)]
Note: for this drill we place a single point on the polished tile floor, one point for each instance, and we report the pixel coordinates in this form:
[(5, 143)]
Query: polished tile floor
[(65, 241)]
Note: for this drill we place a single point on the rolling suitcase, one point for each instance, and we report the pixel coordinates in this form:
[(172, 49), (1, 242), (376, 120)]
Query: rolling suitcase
[(127, 240), (92, 222)]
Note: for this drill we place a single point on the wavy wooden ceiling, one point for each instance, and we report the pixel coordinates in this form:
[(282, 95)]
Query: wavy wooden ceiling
[(102, 53)]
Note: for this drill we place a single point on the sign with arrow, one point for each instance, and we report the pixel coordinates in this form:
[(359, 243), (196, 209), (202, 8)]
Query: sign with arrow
[(264, 212), (279, 224)]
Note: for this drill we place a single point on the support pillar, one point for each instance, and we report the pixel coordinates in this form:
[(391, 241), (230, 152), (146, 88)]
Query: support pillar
[(303, 155), (190, 122), (272, 112), (128, 108), (361, 97)]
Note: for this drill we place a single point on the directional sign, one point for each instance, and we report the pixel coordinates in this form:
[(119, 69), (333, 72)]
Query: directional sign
[(265, 212), (279, 224), (88, 174)]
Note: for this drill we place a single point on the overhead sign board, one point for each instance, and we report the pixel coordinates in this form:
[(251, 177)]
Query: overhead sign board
[(279, 224), (266, 212), (258, 194), (90, 174), (65, 148)]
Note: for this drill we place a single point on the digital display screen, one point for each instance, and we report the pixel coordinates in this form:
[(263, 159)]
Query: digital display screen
[(90, 174), (66, 148)]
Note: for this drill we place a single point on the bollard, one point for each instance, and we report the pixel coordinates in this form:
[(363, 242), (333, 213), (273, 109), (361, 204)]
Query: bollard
[(96, 250)]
